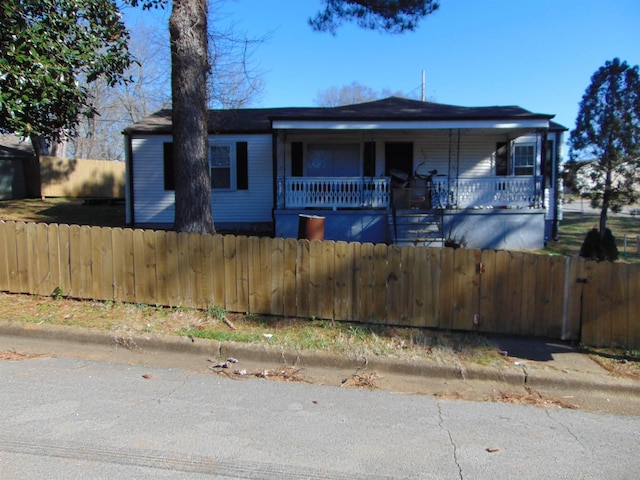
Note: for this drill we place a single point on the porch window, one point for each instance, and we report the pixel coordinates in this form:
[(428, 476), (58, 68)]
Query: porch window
[(523, 159), (333, 160), (221, 166)]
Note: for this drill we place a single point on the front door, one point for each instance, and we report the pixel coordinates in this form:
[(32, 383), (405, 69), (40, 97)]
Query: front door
[(399, 156)]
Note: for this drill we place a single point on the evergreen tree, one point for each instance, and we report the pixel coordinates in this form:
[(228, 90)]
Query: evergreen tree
[(607, 134)]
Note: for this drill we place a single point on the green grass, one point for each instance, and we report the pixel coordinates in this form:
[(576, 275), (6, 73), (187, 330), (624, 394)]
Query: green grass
[(574, 227)]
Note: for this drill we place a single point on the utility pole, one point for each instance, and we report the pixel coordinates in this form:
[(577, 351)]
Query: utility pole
[(424, 98)]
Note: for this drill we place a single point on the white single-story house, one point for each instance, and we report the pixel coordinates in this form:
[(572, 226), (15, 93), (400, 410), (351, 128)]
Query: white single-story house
[(388, 171)]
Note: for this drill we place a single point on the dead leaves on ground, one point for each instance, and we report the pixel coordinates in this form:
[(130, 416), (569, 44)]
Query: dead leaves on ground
[(362, 380), (285, 373)]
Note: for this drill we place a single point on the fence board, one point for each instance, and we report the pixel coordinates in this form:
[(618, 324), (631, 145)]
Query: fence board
[(277, 276), (365, 262), (150, 274), (10, 247), (407, 284), (446, 288), (515, 292), (289, 277), (129, 280), (162, 267), (74, 261), (533, 291), (501, 290), (195, 271), (141, 292), (43, 271), (32, 258), (573, 292), (184, 270), (394, 285), (206, 250), (106, 251), (465, 289), (4, 258), (230, 282), (633, 335), (420, 286), (328, 280), (265, 275), (590, 304), (619, 306), (433, 290), (64, 252), (316, 274), (343, 282), (380, 276), (487, 291), (255, 280), (22, 257), (604, 274), (542, 295), (554, 315), (218, 271), (86, 273), (242, 265), (53, 252), (355, 278), (303, 278), (96, 263)]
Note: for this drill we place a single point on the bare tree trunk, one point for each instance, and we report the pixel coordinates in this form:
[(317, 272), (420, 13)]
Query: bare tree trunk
[(189, 69), (605, 204)]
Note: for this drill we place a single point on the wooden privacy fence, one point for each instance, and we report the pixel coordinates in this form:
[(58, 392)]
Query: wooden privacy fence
[(474, 290), (67, 177)]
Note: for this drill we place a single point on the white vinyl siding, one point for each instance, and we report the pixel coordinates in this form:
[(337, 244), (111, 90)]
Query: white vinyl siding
[(153, 204)]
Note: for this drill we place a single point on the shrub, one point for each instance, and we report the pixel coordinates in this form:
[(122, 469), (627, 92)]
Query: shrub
[(595, 249)]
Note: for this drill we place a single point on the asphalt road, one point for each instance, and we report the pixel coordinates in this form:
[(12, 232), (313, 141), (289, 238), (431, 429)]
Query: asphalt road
[(65, 418)]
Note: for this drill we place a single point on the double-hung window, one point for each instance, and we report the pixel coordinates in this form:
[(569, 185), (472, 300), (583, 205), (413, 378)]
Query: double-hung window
[(228, 166), (523, 159), (222, 166)]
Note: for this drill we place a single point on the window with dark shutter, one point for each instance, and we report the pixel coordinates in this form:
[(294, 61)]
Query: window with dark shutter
[(169, 171), (502, 159), (369, 157), (242, 166), (296, 159)]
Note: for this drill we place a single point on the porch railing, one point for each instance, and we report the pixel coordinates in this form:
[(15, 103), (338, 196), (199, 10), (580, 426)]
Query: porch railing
[(358, 192), (492, 192), (336, 192)]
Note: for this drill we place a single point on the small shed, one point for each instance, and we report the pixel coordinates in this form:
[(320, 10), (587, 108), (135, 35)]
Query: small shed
[(19, 170)]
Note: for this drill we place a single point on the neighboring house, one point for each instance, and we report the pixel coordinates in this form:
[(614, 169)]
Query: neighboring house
[(19, 176), (366, 169)]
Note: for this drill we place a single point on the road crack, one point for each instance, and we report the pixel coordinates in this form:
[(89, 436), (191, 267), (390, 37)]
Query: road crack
[(567, 429), (453, 445)]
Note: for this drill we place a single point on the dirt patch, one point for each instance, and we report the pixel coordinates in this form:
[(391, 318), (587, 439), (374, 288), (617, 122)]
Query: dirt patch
[(530, 397), (15, 355)]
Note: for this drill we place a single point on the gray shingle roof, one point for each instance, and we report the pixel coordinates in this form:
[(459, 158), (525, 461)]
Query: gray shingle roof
[(258, 120)]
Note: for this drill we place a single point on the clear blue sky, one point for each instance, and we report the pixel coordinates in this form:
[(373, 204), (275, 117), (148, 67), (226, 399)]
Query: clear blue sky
[(538, 54)]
